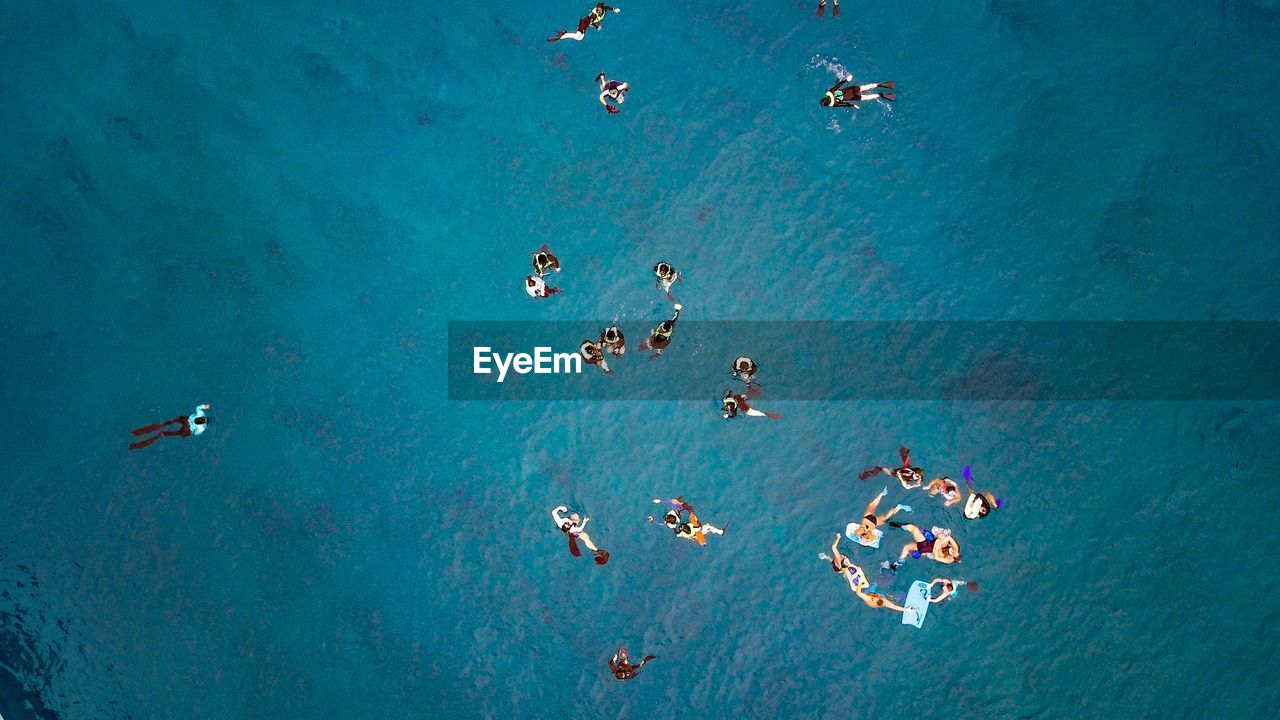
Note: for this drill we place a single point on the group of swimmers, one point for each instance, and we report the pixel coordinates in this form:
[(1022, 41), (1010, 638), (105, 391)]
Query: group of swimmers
[(937, 544), (680, 518), (840, 95)]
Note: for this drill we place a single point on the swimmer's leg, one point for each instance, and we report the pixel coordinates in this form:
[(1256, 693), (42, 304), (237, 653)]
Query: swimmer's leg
[(759, 413), (586, 540), (152, 428), (143, 443), (709, 528), (871, 506), (566, 35)]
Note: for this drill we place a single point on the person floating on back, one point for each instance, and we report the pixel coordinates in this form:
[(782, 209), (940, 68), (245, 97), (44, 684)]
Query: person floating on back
[(733, 404), (857, 579), (949, 588), (621, 667), (544, 262), (184, 426), (575, 529), (946, 487), (538, 288), (590, 20), (660, 338), (867, 532), (593, 355), (667, 276), (910, 477), (612, 90), (979, 503), (822, 7), (841, 95)]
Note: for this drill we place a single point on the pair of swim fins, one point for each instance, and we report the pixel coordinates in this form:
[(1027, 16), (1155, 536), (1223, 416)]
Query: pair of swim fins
[(602, 556)]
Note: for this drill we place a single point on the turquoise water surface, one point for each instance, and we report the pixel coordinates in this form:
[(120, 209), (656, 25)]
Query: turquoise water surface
[(277, 208)]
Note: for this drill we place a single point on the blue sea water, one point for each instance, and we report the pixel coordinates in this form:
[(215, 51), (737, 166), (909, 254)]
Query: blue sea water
[(277, 207)]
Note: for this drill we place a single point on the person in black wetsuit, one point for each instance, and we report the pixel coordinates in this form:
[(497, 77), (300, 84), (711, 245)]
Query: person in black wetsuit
[(841, 95)]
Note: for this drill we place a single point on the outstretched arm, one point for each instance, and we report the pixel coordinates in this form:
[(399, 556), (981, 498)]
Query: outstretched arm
[(838, 85), (555, 514)]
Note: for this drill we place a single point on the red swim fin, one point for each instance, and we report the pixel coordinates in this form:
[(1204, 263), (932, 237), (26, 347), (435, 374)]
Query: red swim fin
[(573, 547), (835, 11), (773, 416), (602, 557), (822, 7)]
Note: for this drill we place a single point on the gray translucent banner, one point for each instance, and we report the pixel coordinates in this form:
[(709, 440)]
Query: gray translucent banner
[(814, 361)]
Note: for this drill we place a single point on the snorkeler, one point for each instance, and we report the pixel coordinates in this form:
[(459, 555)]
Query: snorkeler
[(857, 579), (612, 90), (841, 95), (949, 588), (186, 426), (822, 7), (592, 355), (621, 667), (613, 341), (868, 533), (538, 288), (744, 369), (733, 404), (667, 276), (946, 487), (910, 477), (575, 529), (691, 529), (544, 261), (660, 338), (979, 503), (591, 20), (937, 545)]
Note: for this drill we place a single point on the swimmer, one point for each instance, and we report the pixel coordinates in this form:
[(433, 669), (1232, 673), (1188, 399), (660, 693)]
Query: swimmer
[(621, 667), (667, 276), (870, 520), (733, 404), (613, 341), (612, 90), (544, 261), (591, 20), (660, 338), (841, 95), (538, 288), (575, 529), (940, 547), (946, 487), (185, 426), (949, 588), (910, 477), (691, 529), (593, 355), (822, 7), (979, 503), (744, 369), (858, 580)]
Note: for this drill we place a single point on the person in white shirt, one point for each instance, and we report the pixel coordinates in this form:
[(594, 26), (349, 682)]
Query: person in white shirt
[(184, 426), (574, 528)]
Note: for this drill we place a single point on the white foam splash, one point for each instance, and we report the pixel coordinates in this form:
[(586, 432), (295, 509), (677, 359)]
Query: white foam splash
[(831, 65)]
